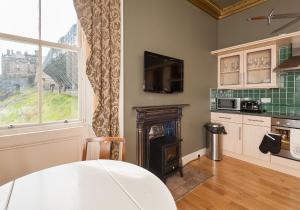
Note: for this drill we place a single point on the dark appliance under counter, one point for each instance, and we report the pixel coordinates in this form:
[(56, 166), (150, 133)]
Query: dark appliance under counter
[(289, 130)]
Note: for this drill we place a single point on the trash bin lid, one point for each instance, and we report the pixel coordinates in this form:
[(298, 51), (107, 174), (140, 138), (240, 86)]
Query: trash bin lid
[(214, 125), (215, 128)]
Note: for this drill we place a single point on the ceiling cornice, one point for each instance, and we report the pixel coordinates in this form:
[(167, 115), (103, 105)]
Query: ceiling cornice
[(219, 12)]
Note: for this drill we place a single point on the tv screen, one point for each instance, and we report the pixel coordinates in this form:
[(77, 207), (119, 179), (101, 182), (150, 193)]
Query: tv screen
[(162, 74)]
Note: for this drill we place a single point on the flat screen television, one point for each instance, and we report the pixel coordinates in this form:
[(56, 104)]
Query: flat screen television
[(162, 74)]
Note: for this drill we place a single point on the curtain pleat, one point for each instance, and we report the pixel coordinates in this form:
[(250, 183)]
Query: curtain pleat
[(101, 23)]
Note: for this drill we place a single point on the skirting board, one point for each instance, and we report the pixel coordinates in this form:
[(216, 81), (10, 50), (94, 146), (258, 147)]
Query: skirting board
[(192, 156)]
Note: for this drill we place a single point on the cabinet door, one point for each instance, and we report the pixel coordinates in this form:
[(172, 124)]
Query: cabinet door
[(232, 141), (230, 70), (259, 64), (252, 137)]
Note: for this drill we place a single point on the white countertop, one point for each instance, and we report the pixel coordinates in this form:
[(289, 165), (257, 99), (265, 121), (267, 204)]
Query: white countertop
[(88, 185)]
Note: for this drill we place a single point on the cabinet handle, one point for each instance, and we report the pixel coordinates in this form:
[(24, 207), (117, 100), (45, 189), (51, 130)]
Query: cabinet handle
[(255, 120), (227, 118), (240, 133)]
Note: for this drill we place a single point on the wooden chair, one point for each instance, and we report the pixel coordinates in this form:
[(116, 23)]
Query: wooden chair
[(112, 148)]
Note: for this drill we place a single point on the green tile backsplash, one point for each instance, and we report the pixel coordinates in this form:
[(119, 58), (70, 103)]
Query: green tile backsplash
[(285, 52), (284, 100)]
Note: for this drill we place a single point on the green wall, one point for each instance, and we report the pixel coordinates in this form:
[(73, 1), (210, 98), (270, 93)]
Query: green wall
[(236, 29), (178, 29)]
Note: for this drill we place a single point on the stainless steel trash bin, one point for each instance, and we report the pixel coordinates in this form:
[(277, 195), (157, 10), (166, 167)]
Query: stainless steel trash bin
[(214, 140)]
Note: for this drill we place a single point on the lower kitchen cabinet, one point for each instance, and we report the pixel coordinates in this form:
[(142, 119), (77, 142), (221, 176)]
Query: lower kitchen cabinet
[(232, 141), (252, 137), (244, 135)]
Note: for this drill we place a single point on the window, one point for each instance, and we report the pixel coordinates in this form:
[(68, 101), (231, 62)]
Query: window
[(40, 54)]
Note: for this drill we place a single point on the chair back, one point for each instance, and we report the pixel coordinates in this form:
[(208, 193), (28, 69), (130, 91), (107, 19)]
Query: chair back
[(112, 148)]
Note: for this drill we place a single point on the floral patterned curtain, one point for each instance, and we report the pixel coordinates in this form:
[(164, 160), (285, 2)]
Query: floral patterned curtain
[(101, 23)]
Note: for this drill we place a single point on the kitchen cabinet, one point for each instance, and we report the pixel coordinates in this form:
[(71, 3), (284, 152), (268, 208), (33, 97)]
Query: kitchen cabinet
[(257, 120), (252, 68), (244, 135), (252, 137), (258, 67), (285, 165), (230, 70), (232, 141), (254, 129)]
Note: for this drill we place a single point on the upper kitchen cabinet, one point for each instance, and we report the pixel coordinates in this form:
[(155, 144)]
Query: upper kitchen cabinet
[(251, 68), (254, 64), (259, 64), (230, 70)]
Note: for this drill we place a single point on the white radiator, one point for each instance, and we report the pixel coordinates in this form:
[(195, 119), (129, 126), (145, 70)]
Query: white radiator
[(25, 153)]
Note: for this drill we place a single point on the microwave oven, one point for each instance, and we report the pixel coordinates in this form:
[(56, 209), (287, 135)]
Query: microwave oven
[(229, 104)]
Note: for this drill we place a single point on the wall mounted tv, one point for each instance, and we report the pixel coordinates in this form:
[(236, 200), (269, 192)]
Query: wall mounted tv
[(162, 74)]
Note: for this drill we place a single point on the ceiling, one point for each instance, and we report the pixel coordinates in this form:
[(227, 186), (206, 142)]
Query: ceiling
[(220, 9)]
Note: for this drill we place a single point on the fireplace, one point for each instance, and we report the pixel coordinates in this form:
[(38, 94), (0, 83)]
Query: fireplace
[(165, 156), (159, 139)]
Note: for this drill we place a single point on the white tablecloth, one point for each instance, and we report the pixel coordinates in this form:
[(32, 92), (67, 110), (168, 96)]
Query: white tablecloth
[(88, 185)]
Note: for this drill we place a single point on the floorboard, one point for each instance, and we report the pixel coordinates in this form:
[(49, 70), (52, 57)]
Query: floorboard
[(238, 185)]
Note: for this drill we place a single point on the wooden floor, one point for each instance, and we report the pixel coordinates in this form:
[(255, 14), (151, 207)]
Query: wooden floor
[(240, 185)]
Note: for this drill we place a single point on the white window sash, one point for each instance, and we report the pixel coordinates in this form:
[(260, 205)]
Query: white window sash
[(40, 44)]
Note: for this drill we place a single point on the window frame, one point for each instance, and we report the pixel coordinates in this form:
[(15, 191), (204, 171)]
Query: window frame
[(81, 81)]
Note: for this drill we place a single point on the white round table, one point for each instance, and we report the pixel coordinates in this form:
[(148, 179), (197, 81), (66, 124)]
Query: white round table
[(88, 185)]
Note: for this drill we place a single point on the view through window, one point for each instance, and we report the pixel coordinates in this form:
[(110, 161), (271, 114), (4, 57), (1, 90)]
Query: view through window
[(39, 62)]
